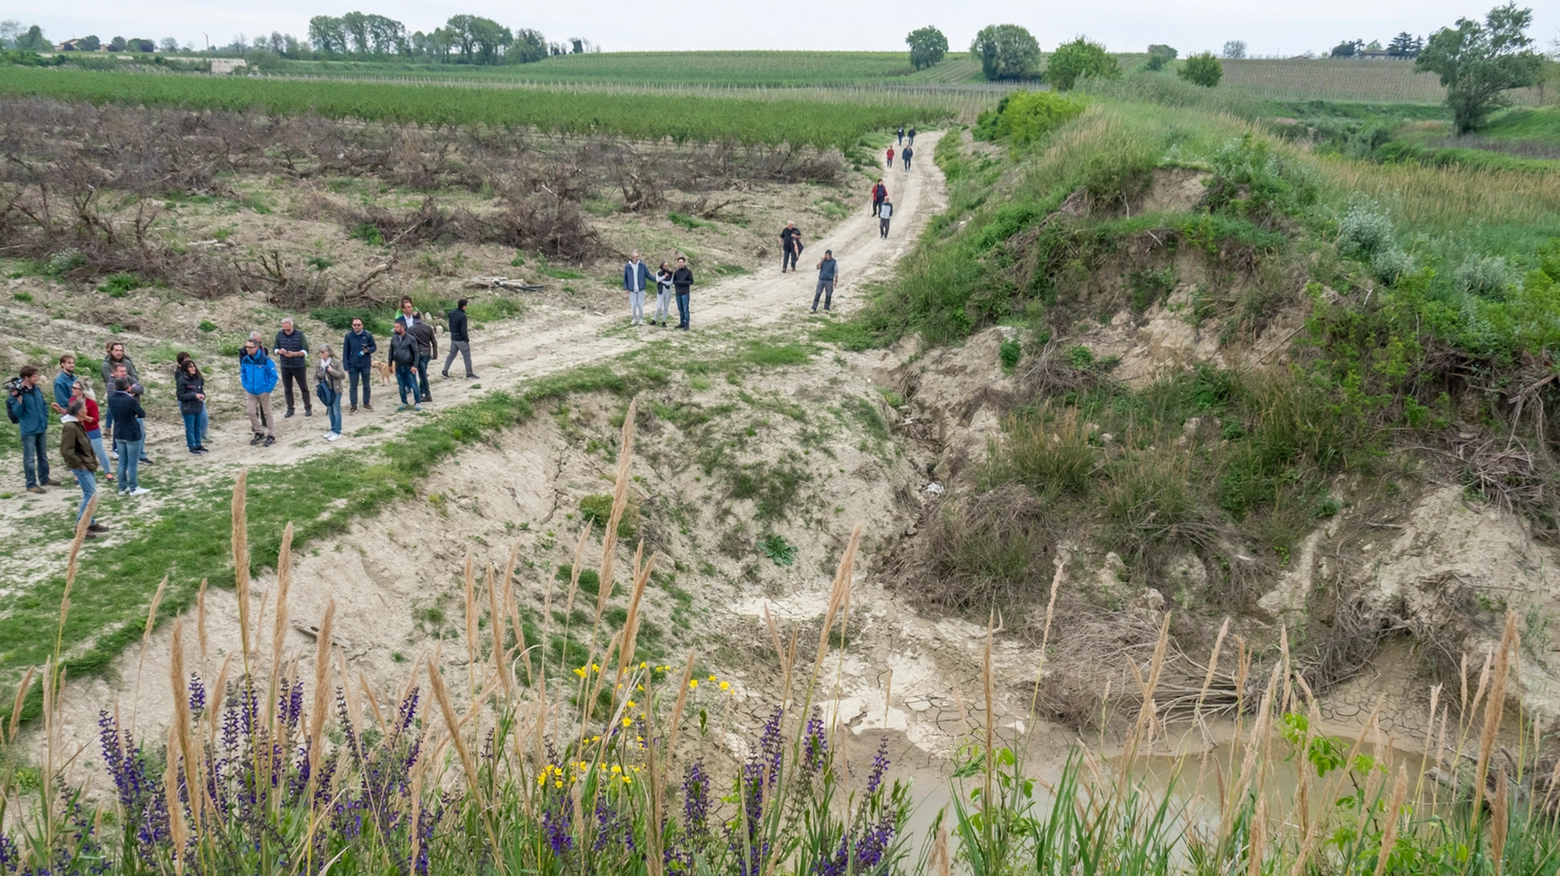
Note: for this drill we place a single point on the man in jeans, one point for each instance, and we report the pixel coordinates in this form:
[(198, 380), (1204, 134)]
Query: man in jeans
[(460, 340), (357, 356), (81, 459), (636, 278), (403, 356), (682, 281), (127, 413), (26, 406), (828, 275), (292, 357), (422, 332)]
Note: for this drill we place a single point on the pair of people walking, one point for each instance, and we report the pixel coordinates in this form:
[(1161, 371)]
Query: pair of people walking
[(637, 279)]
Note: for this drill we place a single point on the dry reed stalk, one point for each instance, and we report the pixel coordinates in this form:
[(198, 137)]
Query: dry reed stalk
[(587, 703), (1462, 682), (16, 706), (321, 687), (1500, 821), (657, 780), (682, 701), (1394, 813), (241, 560), (146, 638), (469, 578), (1435, 700), (991, 717), (1147, 717), (1494, 708), (175, 809), (1256, 847), (1045, 638), (837, 596), (631, 622), (437, 683), (619, 502), (283, 585), (1242, 779), (181, 717), (373, 706), (576, 569), (200, 622), (1213, 667), (496, 627), (888, 692), (217, 694), (940, 860)]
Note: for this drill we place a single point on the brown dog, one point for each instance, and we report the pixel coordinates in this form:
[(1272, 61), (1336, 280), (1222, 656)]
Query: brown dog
[(384, 372)]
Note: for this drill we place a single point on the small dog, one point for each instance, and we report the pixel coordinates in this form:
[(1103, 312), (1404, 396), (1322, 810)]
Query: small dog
[(384, 371)]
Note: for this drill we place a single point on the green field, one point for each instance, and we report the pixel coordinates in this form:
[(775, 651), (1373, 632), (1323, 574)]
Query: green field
[(682, 118), (1368, 81)]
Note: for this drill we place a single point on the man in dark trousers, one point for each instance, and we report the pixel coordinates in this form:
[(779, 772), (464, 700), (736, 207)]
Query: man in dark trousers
[(682, 281), (292, 359), (427, 349), (901, 135), (28, 410), (885, 213), (908, 153), (357, 354), (828, 275), (912, 136), (460, 342), (790, 246), (879, 192)]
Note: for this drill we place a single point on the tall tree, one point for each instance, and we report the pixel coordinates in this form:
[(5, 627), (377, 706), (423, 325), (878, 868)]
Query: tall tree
[(167, 44), (387, 35), (328, 35), (356, 26), (33, 40), (90, 43), (1478, 63), (1007, 51), (1347, 49), (1234, 50), (928, 46), (1202, 69), (1077, 59), (10, 29), (529, 46)]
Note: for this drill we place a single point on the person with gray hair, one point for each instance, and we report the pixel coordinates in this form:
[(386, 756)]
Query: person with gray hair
[(328, 377), (80, 458), (292, 359)]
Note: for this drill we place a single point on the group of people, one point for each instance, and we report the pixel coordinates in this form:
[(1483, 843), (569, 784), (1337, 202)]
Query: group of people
[(907, 153), (84, 432), (669, 283)]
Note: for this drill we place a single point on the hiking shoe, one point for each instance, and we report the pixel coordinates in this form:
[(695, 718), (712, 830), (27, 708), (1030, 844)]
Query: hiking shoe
[(308, 412), (352, 410), (287, 416), (195, 451), (38, 490), (145, 460), (471, 377), (367, 407), (51, 482), (400, 409), (269, 440), (139, 491), (256, 440), (427, 397), (445, 375), (97, 527), (417, 408), (201, 448)]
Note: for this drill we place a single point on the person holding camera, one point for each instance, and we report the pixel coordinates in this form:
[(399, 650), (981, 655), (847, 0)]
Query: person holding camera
[(25, 406), (80, 457)]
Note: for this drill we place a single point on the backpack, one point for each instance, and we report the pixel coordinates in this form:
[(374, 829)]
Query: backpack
[(323, 392), (10, 411)]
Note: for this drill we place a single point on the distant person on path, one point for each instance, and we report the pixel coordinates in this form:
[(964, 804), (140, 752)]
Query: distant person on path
[(912, 136), (682, 281), (92, 423), (292, 355), (908, 154), (64, 381), (26, 408), (460, 339), (885, 213), (636, 279), (204, 424), (403, 355), (879, 192), (890, 158), (828, 275), (127, 413), (190, 388), (80, 458), (328, 376), (663, 294), (257, 372), (901, 134), (422, 332), (357, 353), (790, 246)]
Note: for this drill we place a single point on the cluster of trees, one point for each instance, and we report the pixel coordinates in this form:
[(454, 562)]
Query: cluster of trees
[(1479, 62), (12, 36), (467, 39), (1405, 45), (1008, 51)]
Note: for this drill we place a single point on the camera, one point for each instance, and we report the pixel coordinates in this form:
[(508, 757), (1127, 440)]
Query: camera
[(14, 386)]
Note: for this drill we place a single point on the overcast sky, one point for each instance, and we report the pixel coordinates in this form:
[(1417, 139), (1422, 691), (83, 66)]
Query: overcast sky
[(1285, 28)]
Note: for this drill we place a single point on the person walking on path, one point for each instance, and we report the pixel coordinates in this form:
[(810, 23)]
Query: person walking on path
[(257, 372), (790, 246), (190, 388), (663, 294), (328, 376), (460, 339), (908, 154), (127, 414), (27, 409), (879, 193), (912, 136), (828, 275), (885, 213), (403, 355), (636, 279), (203, 422), (357, 354), (901, 134), (422, 332), (292, 353), (64, 381), (91, 422), (682, 281), (81, 459), (890, 158)]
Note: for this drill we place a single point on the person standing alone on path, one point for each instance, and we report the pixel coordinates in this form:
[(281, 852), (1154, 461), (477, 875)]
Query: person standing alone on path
[(80, 458), (912, 136), (257, 373), (127, 413), (682, 281), (885, 213), (890, 158), (403, 355), (327, 378), (907, 154), (879, 193), (30, 413), (293, 351), (190, 387), (790, 246), (357, 353), (422, 332), (636, 279), (828, 275), (460, 339)]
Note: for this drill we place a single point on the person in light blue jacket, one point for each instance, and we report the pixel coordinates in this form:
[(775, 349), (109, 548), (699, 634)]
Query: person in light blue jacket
[(636, 279), (258, 374)]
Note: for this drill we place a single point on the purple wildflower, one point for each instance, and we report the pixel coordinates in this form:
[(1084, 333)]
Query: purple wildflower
[(880, 763), (815, 745)]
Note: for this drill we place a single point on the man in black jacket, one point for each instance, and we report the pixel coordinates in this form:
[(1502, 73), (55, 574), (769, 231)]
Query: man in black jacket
[(790, 246), (292, 359), (682, 280), (427, 350), (357, 353), (403, 356), (460, 341)]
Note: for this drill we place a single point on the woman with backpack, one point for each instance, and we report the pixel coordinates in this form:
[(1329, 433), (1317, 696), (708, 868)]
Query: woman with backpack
[(190, 388), (328, 375)]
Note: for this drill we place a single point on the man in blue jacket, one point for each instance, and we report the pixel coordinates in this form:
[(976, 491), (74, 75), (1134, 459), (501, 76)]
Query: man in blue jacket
[(257, 373), (30, 413), (357, 354), (127, 413), (64, 382), (636, 278)]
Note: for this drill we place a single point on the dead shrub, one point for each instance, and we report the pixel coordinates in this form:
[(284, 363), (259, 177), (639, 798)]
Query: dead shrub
[(994, 549)]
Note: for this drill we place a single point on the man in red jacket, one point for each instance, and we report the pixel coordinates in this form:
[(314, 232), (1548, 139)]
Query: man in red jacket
[(879, 194), (890, 158)]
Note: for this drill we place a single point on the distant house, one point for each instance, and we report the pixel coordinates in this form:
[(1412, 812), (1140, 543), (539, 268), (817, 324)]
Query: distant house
[(73, 46)]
